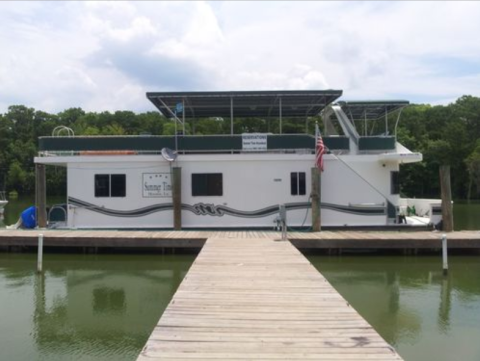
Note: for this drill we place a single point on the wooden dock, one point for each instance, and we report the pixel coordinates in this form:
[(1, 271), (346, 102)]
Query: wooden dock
[(260, 300), (341, 239)]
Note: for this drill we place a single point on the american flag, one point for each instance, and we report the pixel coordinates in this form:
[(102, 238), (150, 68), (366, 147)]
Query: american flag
[(319, 149)]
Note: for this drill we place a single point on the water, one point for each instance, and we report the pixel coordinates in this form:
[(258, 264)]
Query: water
[(411, 305), (104, 307), (85, 307), (466, 215)]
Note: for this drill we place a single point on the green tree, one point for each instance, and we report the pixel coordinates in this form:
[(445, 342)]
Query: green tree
[(473, 166), (17, 177)]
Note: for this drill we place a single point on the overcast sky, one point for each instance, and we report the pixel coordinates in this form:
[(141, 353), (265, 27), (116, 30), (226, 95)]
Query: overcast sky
[(107, 55)]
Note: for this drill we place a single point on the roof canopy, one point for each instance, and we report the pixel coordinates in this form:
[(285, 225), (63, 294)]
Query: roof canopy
[(298, 103), (371, 110)]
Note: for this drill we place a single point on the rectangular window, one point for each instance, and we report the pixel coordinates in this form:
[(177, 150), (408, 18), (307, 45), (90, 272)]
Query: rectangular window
[(207, 184), (110, 185), (395, 182), (298, 185), (294, 184), (102, 185), (118, 185), (302, 184)]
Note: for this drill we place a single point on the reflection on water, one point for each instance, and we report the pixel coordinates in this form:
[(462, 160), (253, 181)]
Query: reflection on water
[(423, 314), (83, 307), (466, 215), (104, 307)]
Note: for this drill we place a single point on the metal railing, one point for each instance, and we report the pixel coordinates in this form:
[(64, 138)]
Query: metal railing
[(68, 153)]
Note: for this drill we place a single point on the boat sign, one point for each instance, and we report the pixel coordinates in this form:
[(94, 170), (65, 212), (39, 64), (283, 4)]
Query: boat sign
[(157, 185), (254, 142)]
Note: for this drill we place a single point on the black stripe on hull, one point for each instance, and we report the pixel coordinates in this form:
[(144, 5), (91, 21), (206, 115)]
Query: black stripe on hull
[(210, 209), (362, 211), (116, 213)]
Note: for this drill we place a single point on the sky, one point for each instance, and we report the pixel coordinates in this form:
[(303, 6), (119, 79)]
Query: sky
[(104, 56)]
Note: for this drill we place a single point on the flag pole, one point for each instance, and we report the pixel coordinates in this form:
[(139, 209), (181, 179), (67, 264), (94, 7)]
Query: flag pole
[(316, 189)]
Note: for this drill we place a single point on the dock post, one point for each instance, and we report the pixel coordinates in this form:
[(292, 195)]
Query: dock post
[(445, 254), (316, 200), (177, 198), (283, 218), (446, 191), (40, 253), (41, 195)]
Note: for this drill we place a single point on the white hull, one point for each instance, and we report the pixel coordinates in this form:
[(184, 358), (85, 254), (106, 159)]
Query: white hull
[(354, 191)]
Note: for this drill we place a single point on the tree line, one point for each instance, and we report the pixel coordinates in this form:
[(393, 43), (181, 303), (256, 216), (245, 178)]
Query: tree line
[(445, 134)]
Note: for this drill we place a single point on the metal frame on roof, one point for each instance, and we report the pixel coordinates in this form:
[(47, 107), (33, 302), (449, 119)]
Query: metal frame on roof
[(297, 103), (243, 104), (371, 110)]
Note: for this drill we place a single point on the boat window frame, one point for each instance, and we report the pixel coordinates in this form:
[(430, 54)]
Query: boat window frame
[(298, 183), (213, 186), (107, 192)]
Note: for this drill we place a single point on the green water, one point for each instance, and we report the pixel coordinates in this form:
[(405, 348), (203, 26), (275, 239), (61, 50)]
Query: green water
[(414, 308), (466, 215), (85, 307), (104, 307)]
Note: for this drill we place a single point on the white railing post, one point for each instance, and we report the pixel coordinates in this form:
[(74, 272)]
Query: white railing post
[(445, 254), (40, 253)]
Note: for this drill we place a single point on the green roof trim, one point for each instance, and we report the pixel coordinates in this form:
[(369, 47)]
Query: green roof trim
[(376, 143), (188, 143)]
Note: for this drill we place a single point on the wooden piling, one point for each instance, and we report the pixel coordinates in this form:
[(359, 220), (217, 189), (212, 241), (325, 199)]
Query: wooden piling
[(316, 199), (446, 192), (41, 195), (177, 197)]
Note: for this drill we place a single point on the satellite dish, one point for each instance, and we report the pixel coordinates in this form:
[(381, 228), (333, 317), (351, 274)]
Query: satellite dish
[(168, 154)]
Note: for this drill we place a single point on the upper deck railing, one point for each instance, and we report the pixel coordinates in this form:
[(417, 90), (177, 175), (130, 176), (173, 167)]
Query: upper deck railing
[(186, 144), (285, 143)]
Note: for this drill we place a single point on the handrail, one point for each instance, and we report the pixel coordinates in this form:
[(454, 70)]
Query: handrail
[(57, 131), (111, 153), (57, 207)]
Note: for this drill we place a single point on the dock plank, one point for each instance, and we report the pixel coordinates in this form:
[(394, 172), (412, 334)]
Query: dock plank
[(260, 300)]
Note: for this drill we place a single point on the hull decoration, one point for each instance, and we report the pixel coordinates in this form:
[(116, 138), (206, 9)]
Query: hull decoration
[(140, 212), (209, 209)]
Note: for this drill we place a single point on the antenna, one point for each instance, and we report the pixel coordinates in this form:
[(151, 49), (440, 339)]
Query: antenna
[(169, 154)]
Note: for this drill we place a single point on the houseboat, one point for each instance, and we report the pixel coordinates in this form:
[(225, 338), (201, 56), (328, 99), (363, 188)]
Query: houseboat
[(239, 180)]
